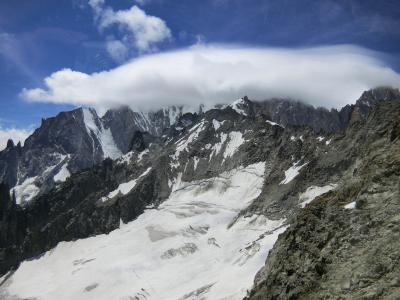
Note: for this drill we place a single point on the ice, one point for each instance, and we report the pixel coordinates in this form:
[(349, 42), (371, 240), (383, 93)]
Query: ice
[(274, 124), (25, 191), (235, 106), (195, 162), (218, 146), (104, 136), (184, 249), (183, 143), (292, 172), (234, 142), (125, 188), (313, 192), (216, 124), (126, 158), (141, 154), (173, 114), (63, 174), (351, 205)]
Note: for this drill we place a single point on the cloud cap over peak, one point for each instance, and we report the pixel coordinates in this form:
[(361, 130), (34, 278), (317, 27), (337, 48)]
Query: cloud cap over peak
[(325, 76)]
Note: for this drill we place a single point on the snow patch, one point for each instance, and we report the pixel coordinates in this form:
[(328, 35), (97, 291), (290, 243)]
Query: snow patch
[(195, 162), (217, 146), (313, 192), (351, 205), (126, 158), (103, 136), (328, 141), (216, 124), (124, 188), (25, 191), (183, 144), (63, 174), (141, 154), (173, 114), (274, 124), (292, 172), (234, 142), (236, 105)]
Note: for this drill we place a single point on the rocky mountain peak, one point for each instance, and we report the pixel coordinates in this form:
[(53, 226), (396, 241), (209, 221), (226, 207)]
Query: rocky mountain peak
[(214, 191), (371, 98), (10, 144)]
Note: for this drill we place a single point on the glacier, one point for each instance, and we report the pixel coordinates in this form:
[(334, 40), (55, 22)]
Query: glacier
[(192, 246)]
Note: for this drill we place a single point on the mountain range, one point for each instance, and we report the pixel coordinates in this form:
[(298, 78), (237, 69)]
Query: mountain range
[(271, 199)]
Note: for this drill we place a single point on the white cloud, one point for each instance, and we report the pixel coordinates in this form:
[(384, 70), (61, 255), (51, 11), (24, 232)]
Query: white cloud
[(138, 31), (142, 2), (17, 135), (117, 50), (326, 76)]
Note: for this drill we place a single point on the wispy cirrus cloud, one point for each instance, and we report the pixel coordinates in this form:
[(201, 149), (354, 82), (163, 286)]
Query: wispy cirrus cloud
[(210, 74), (137, 31)]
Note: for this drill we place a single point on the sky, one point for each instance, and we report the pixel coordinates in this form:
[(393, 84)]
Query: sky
[(56, 55)]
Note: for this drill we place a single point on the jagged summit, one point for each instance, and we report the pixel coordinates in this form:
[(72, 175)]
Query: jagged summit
[(78, 139), (373, 96)]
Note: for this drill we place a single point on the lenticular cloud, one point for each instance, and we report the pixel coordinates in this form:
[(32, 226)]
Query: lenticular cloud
[(325, 76)]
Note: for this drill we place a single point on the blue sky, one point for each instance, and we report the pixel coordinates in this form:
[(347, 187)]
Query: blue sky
[(38, 38)]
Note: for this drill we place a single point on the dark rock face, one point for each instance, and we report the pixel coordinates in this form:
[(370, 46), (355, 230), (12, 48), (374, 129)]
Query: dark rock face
[(12, 229), (331, 252), (9, 164)]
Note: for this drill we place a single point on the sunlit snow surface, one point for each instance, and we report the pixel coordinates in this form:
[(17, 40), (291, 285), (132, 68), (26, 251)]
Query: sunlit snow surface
[(63, 174), (26, 191), (104, 136), (184, 249), (351, 205), (292, 172), (125, 188), (236, 106), (313, 192), (274, 124)]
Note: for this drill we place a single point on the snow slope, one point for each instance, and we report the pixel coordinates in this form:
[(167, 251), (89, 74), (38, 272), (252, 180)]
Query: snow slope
[(103, 136), (125, 188), (25, 191), (63, 174), (237, 105), (313, 192), (292, 172), (187, 248)]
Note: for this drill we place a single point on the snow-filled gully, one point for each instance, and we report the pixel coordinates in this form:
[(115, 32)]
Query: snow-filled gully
[(184, 249)]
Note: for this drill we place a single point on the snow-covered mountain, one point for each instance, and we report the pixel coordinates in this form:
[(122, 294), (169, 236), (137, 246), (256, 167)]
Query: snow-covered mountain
[(73, 141), (194, 210)]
